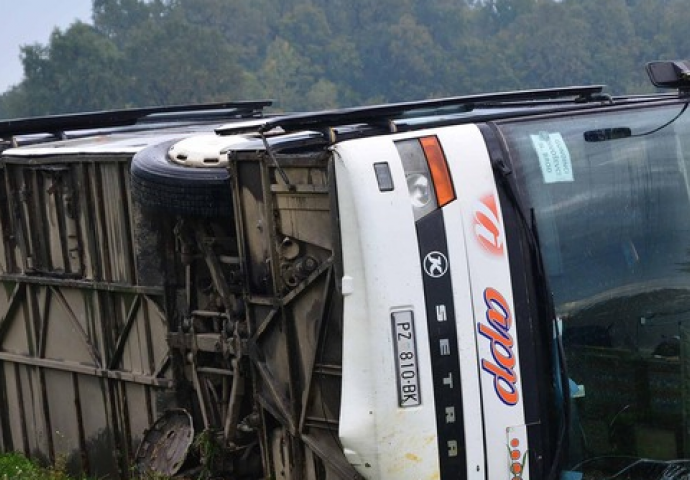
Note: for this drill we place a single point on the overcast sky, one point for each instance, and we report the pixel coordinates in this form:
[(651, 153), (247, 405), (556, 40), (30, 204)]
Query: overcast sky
[(26, 22)]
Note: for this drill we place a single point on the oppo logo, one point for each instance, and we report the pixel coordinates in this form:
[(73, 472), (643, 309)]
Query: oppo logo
[(501, 365), (487, 226)]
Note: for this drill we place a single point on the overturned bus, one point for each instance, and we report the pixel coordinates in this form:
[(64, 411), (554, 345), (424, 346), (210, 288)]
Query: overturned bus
[(493, 286)]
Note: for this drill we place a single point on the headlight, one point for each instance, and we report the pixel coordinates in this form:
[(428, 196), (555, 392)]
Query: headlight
[(420, 190), (428, 178)]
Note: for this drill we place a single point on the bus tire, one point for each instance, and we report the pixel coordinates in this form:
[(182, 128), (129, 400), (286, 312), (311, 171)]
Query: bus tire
[(158, 184)]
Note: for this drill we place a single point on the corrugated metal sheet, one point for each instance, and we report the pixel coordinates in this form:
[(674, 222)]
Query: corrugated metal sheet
[(84, 361)]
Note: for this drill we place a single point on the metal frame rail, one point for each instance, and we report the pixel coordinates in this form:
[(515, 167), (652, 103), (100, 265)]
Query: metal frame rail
[(382, 114), (57, 125)]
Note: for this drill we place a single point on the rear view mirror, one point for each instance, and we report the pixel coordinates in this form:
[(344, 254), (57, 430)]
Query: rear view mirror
[(606, 134), (670, 74)]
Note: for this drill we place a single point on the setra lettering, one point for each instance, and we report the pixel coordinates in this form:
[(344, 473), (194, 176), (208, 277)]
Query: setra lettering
[(501, 366)]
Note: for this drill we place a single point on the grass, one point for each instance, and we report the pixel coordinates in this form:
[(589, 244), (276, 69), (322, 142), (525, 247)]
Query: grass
[(15, 466)]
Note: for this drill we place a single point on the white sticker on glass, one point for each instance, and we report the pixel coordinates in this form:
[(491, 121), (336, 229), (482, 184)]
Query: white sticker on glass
[(554, 157)]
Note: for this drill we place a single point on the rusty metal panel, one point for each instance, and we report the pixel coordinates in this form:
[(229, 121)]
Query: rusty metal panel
[(66, 336), (305, 217), (69, 218), (15, 329), (304, 209), (100, 457), (31, 397), (145, 348), (84, 359), (81, 376), (11, 254), (41, 219), (86, 216), (104, 207), (142, 413), (5, 231), (116, 229), (91, 330), (13, 426), (62, 415)]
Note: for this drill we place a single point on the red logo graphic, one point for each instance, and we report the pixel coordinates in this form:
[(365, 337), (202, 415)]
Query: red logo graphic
[(497, 331), (487, 226)]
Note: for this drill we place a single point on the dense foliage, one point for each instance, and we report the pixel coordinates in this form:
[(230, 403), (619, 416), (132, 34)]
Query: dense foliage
[(308, 54)]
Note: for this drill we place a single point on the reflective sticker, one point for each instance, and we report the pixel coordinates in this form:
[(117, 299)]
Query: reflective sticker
[(554, 157)]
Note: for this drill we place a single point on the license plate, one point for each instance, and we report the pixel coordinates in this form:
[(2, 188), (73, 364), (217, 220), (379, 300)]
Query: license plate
[(405, 343)]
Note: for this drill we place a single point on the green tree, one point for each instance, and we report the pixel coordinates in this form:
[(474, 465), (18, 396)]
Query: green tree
[(411, 57), (117, 19), (248, 27), (307, 27), (499, 14), (672, 43), (170, 61), (77, 71), (286, 75), (325, 53), (548, 48), (323, 95), (144, 54), (610, 43), (332, 56)]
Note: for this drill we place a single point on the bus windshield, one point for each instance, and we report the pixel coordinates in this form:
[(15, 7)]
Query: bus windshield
[(610, 194)]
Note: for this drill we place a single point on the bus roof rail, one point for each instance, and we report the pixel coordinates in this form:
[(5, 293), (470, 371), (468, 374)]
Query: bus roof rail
[(58, 124), (380, 114)]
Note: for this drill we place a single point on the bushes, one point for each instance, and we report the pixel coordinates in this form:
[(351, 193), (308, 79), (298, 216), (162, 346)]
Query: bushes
[(15, 466)]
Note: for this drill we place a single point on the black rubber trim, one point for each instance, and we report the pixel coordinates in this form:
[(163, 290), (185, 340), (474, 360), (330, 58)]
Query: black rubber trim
[(161, 185)]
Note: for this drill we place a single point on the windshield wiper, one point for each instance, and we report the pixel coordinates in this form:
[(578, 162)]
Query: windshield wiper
[(560, 371)]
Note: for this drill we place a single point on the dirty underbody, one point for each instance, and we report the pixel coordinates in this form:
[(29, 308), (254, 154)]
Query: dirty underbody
[(150, 340)]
